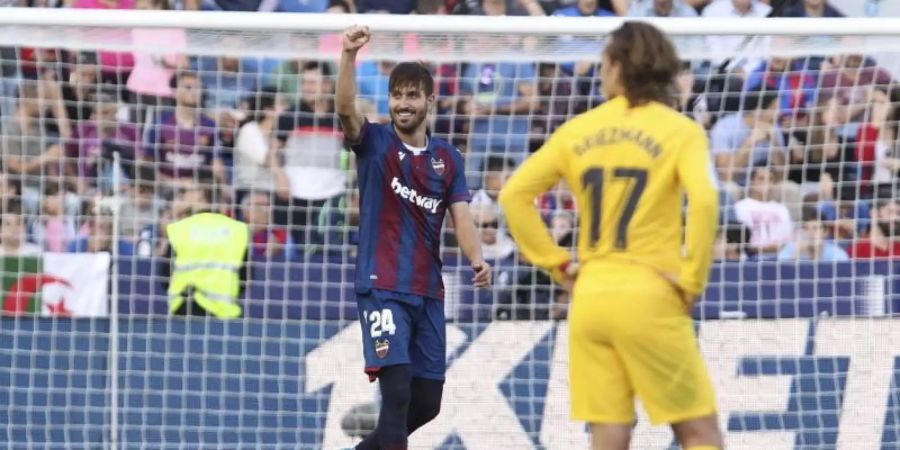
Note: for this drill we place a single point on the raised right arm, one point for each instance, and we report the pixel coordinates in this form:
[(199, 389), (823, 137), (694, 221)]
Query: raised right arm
[(345, 102)]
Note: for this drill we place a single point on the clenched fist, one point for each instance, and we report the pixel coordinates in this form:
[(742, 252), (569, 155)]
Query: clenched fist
[(355, 37)]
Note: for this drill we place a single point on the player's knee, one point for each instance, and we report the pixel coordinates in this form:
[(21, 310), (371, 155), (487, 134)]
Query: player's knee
[(699, 434), (430, 409)]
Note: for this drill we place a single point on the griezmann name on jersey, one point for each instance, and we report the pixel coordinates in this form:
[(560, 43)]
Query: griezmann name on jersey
[(403, 198), (628, 169)]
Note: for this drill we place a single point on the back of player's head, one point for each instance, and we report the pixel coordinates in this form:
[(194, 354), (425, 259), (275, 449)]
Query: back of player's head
[(411, 74), (648, 62)]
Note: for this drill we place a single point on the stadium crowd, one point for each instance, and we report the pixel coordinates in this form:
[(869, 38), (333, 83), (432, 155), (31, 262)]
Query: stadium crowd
[(805, 148)]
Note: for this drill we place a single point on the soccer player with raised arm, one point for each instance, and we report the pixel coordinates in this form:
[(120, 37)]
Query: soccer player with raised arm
[(407, 182), (629, 162)]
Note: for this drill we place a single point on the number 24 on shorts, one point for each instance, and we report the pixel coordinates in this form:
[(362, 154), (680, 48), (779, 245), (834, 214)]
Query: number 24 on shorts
[(380, 322)]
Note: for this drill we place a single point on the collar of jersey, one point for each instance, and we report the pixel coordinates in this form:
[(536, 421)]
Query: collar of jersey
[(403, 147)]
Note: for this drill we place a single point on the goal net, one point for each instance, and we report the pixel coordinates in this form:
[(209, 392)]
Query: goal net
[(114, 124)]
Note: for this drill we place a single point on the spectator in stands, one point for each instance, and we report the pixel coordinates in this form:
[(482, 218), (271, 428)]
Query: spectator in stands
[(583, 8), (12, 232), (302, 6), (793, 82), (851, 78), (10, 188), (496, 170), (730, 45), (811, 242), (90, 153), (883, 240), (559, 97), (534, 296), (559, 198), (182, 142), (769, 221), (149, 80), (185, 201), (690, 99), (338, 226), (258, 159), (498, 98), (99, 236), (620, 7), (226, 80), (267, 241), (731, 243), (310, 137), (821, 157), (81, 87), (114, 66), (29, 150), (750, 137), (140, 207), (846, 215), (877, 145), (54, 228), (372, 81), (812, 8), (662, 8), (496, 245), (206, 277), (494, 91), (500, 7), (385, 6)]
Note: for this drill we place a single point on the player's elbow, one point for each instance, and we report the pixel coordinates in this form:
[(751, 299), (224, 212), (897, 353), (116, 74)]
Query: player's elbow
[(507, 199)]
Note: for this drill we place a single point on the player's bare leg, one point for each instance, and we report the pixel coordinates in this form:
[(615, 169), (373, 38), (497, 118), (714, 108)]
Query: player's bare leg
[(699, 434), (610, 436)]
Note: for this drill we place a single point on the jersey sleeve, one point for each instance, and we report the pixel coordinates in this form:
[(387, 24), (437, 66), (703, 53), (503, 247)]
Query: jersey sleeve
[(459, 190), (368, 140), (535, 176), (697, 176)]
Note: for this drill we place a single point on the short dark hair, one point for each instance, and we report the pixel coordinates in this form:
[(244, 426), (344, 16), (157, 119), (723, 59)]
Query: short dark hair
[(13, 206), (759, 167), (180, 75), (810, 213), (411, 74), (260, 101), (648, 62), (496, 163), (320, 66), (758, 99)]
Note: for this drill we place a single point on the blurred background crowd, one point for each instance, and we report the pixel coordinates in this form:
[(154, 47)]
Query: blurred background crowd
[(805, 148)]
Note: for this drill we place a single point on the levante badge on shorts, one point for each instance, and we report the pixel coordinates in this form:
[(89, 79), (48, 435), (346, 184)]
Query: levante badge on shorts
[(381, 347), (438, 165)]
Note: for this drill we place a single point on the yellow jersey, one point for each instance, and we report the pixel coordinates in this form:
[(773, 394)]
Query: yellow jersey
[(629, 169)]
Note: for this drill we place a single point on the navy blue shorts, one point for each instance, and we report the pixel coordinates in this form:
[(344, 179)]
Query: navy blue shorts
[(403, 329)]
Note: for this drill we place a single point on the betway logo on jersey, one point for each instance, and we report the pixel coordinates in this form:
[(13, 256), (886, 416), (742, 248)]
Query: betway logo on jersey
[(406, 193)]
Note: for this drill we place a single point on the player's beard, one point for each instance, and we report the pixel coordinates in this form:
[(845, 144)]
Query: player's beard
[(409, 125)]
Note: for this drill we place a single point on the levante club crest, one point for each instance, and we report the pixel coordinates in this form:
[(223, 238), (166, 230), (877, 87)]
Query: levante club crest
[(438, 165), (381, 347)]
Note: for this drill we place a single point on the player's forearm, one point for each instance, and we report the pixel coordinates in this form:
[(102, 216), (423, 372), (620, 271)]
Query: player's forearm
[(702, 218), (345, 96), (467, 236)]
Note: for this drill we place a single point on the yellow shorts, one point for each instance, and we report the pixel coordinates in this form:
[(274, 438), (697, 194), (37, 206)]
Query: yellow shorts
[(629, 334)]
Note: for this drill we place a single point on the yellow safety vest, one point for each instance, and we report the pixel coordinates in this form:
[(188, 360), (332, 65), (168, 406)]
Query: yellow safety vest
[(209, 251)]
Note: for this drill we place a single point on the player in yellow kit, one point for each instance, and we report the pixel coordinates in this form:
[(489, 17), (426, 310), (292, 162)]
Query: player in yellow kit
[(629, 162)]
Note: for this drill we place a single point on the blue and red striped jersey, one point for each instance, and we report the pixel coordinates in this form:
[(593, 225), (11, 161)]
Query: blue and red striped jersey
[(403, 197)]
